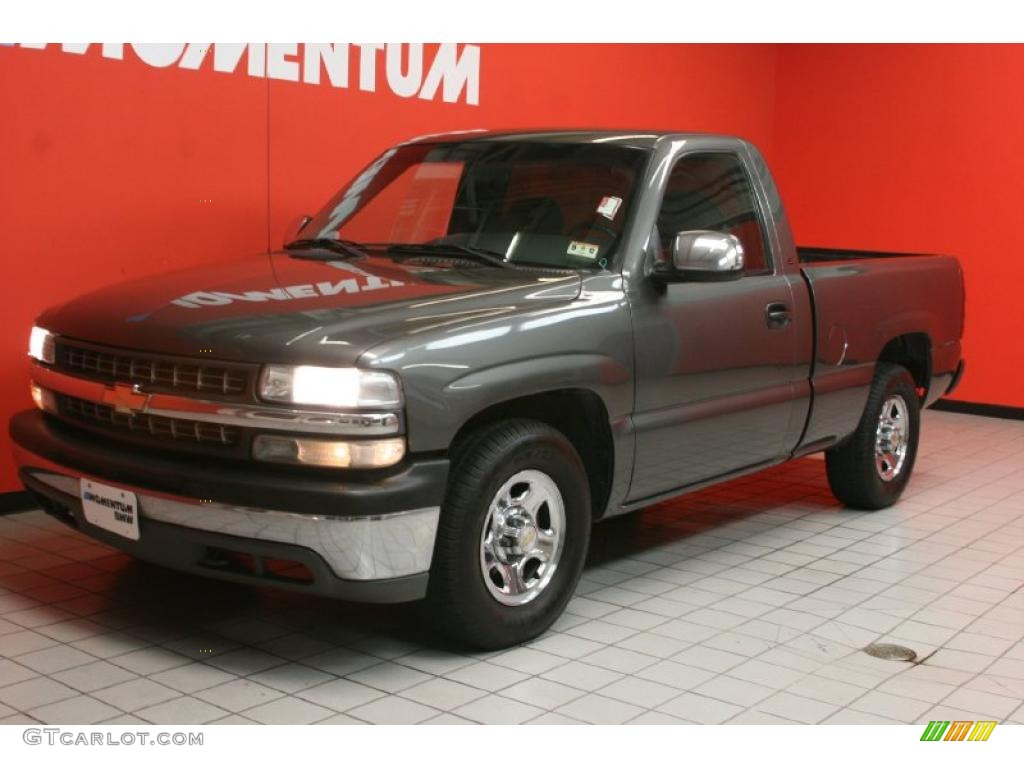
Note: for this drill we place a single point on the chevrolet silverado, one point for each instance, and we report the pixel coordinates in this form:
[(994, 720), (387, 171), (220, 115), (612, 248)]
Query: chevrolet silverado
[(482, 345)]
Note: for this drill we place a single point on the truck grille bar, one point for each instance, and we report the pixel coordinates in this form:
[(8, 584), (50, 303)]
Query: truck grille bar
[(104, 416), (168, 374)]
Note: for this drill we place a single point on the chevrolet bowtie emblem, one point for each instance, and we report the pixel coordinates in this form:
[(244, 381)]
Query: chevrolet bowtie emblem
[(126, 398)]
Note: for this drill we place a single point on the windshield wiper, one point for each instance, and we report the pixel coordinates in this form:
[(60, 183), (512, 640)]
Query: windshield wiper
[(494, 258), (345, 247)]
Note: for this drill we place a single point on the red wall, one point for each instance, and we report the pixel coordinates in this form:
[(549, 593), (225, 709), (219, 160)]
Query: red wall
[(917, 148), (117, 168)]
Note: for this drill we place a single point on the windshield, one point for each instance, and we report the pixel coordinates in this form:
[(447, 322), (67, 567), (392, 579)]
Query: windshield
[(557, 205)]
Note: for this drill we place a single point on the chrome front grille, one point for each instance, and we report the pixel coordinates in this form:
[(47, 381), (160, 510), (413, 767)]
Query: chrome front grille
[(146, 426), (154, 371)]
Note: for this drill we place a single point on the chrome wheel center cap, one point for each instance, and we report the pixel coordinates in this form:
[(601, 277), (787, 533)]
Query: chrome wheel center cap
[(516, 534), (890, 439), (527, 538)]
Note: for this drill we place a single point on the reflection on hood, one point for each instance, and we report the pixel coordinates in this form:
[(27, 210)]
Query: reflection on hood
[(283, 309)]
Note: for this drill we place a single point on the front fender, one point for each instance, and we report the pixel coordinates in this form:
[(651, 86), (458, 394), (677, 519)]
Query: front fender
[(452, 372), (603, 375)]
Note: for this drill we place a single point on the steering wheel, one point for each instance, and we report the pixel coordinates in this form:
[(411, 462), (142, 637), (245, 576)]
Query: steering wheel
[(593, 226)]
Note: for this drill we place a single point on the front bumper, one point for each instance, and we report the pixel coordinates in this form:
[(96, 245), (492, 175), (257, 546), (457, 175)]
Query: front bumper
[(366, 537)]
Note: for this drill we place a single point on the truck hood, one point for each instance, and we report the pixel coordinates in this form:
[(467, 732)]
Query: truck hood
[(281, 309)]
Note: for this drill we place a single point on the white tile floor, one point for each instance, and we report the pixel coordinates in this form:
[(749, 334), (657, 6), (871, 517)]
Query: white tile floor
[(745, 603)]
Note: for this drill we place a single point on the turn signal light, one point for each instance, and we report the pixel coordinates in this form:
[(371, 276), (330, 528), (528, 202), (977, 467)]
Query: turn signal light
[(350, 454), (43, 398)]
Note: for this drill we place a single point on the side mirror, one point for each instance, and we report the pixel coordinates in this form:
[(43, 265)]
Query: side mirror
[(703, 256), (295, 227)]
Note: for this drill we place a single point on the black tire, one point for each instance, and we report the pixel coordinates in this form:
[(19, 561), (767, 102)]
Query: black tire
[(853, 475), (459, 604)]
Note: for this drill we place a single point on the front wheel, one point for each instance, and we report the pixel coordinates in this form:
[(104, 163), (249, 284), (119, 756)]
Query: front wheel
[(512, 537), (871, 468)]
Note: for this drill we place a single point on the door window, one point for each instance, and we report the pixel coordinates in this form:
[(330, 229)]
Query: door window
[(712, 191)]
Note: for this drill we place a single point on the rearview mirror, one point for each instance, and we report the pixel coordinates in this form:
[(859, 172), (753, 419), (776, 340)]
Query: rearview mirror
[(703, 256), (295, 227)]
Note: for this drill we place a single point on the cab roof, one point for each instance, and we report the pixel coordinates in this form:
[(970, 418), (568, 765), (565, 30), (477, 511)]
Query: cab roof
[(637, 139)]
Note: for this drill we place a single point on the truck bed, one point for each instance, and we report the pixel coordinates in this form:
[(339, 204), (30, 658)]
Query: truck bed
[(862, 301), (815, 254)]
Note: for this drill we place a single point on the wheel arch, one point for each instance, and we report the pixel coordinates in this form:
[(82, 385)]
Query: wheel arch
[(578, 413), (913, 351)]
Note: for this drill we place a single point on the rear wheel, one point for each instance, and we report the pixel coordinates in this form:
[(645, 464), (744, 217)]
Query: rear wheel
[(512, 537), (871, 468)]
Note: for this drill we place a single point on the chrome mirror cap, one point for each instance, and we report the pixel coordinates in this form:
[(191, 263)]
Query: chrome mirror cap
[(699, 252)]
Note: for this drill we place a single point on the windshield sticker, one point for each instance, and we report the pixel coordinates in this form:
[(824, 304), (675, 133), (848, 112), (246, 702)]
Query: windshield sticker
[(584, 250), (609, 206)]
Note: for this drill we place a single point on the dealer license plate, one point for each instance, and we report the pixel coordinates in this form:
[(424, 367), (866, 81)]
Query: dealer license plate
[(110, 508)]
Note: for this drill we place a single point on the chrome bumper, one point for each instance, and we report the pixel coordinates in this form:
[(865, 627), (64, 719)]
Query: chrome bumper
[(363, 548)]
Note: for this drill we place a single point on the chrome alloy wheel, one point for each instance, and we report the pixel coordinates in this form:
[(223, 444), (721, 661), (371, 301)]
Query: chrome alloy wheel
[(892, 437), (523, 537)]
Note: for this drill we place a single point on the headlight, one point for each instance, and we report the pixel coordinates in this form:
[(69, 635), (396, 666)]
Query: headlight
[(336, 387), (353, 454), (40, 345)]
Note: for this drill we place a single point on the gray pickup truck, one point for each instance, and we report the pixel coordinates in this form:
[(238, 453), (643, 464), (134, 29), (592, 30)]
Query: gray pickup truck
[(482, 345)]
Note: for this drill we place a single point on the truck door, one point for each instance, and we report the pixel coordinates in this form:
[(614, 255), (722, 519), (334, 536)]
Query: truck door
[(716, 362)]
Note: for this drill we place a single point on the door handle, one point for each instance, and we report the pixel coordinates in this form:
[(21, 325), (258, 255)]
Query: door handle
[(777, 315)]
